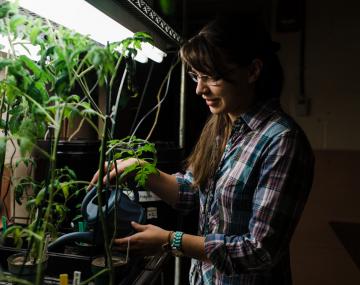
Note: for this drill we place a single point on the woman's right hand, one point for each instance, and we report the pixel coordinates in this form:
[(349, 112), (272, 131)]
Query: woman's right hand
[(164, 185), (120, 164)]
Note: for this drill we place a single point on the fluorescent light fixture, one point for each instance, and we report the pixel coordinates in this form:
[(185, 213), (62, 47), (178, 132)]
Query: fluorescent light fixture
[(31, 51), (85, 19)]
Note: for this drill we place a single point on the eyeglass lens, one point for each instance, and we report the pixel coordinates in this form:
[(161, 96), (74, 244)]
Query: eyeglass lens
[(205, 78)]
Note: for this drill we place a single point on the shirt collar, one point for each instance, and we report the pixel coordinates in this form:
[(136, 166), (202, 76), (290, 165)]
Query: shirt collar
[(258, 113)]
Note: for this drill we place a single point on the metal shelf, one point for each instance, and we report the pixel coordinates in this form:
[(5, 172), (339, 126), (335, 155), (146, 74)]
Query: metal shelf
[(137, 15)]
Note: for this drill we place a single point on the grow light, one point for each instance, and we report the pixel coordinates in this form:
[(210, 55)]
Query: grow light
[(87, 20), (26, 49)]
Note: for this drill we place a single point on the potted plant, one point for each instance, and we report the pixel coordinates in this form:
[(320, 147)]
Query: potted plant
[(37, 97)]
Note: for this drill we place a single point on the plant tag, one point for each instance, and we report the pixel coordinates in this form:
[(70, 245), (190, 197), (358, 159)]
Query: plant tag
[(64, 279), (151, 213), (77, 278), (4, 223), (145, 196), (45, 249)]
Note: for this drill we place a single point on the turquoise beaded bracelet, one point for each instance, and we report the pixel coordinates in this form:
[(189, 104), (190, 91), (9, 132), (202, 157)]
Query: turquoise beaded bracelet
[(176, 242)]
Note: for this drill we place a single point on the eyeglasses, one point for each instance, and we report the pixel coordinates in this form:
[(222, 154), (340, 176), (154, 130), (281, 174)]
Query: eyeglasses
[(207, 79)]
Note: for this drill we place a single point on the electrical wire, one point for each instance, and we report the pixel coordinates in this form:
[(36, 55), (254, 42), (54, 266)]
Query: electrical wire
[(142, 96), (168, 78)]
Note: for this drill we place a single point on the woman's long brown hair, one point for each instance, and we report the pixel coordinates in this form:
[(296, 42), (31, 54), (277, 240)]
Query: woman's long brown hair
[(224, 42), (207, 153)]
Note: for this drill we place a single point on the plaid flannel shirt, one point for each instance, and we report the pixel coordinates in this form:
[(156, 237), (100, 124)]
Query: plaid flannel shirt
[(249, 209)]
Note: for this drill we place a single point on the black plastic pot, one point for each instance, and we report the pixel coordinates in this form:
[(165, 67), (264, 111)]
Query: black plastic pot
[(24, 270), (57, 263), (139, 271), (82, 156), (120, 269)]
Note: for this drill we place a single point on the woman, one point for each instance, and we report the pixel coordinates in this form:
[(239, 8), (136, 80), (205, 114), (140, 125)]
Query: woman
[(251, 170)]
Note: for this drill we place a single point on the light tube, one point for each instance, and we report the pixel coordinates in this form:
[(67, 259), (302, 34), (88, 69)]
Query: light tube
[(85, 19), (31, 51)]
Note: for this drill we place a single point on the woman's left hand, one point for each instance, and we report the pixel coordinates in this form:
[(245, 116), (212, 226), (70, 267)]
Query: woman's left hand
[(147, 241)]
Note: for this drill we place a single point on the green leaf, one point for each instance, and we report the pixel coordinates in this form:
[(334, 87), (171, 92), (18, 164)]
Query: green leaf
[(35, 93), (141, 179), (27, 134), (53, 99), (77, 217), (62, 84), (85, 105), (128, 170), (143, 37), (71, 172), (89, 112), (5, 8), (27, 162), (40, 197), (34, 33), (148, 148), (30, 203), (25, 145), (49, 51), (143, 174), (50, 228), (40, 86), (65, 189), (70, 111), (60, 211), (3, 124), (16, 233), (5, 62), (11, 93), (31, 65), (2, 150), (16, 21), (32, 234), (73, 98)]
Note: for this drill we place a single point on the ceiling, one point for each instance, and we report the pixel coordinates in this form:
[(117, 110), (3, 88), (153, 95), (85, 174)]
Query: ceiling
[(188, 16), (173, 19)]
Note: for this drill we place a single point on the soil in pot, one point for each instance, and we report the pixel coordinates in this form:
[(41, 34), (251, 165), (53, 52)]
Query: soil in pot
[(83, 248), (120, 267), (24, 270)]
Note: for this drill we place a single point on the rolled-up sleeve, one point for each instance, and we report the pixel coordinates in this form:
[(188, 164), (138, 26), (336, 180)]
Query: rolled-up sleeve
[(188, 195), (282, 187)]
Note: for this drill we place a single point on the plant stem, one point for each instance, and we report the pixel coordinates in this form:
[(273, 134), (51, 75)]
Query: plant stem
[(2, 162), (87, 94), (42, 109), (100, 201), (94, 276), (117, 103), (114, 74), (59, 118)]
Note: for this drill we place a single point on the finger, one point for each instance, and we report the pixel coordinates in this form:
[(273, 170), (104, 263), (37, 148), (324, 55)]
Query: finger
[(93, 180), (114, 172), (111, 175), (139, 227), (122, 242), (116, 168)]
